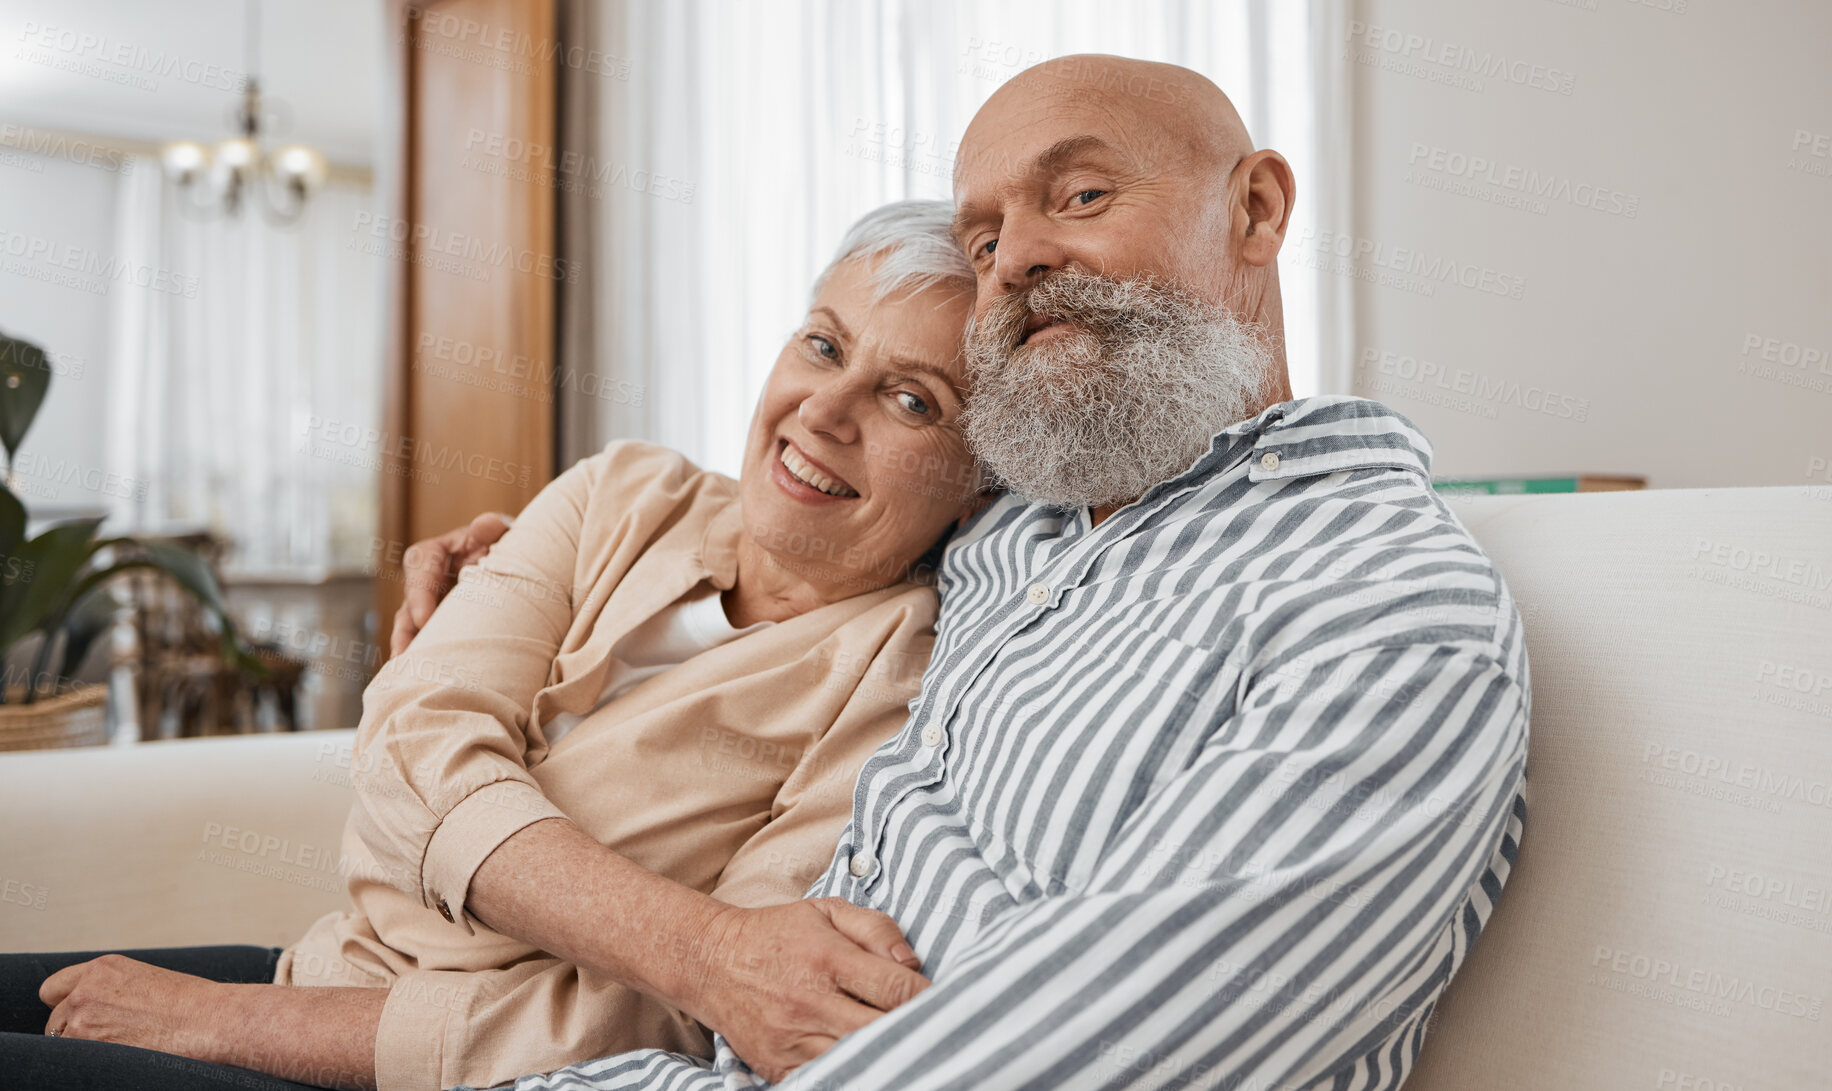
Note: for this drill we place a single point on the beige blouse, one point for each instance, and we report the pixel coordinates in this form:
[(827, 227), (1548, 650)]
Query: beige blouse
[(731, 773)]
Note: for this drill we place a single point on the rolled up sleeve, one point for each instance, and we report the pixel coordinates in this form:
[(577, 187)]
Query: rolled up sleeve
[(441, 765)]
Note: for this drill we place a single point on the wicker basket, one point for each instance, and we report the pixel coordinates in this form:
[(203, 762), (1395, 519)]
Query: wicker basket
[(74, 718)]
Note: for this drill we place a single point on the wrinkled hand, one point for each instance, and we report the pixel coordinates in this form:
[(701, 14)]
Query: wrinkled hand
[(431, 567), (784, 982), (116, 999)]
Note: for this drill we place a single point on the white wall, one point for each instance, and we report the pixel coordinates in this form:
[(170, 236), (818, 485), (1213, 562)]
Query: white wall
[(1702, 129), (56, 212)]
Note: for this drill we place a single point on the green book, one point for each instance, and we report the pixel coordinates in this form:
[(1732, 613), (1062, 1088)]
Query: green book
[(1508, 486)]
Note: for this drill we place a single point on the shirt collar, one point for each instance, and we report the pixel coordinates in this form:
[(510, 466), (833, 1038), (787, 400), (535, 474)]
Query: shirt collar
[(1310, 437), (1305, 437)]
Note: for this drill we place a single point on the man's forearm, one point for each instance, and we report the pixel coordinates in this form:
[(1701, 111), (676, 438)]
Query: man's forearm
[(307, 1034), (554, 886)]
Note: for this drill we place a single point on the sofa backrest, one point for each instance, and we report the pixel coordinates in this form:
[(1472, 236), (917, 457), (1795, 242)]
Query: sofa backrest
[(1669, 921)]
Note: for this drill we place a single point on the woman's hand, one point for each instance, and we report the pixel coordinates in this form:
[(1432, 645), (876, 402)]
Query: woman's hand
[(322, 1035), (430, 568), (784, 982), (116, 999)]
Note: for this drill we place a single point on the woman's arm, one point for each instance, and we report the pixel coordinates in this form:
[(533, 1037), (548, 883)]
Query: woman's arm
[(446, 803), (782, 983), (319, 1036)]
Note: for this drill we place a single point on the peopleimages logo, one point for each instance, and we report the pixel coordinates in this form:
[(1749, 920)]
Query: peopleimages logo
[(1704, 984), (1774, 783), (1759, 562), (532, 161), (135, 63), (1481, 388), (1410, 266), (54, 145), (1532, 188), (426, 239), (85, 269), (1412, 50)]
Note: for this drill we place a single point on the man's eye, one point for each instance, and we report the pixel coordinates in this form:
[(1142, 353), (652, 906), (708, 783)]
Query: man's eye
[(824, 346), (1089, 196), (914, 403), (990, 246)]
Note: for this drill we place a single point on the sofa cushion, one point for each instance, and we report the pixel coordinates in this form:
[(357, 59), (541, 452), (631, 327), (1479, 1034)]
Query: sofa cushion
[(193, 841), (1669, 921)]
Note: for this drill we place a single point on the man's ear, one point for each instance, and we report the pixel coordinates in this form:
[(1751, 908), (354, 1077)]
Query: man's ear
[(1263, 208)]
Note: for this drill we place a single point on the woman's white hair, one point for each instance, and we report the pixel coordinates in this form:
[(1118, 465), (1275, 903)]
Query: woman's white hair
[(912, 245)]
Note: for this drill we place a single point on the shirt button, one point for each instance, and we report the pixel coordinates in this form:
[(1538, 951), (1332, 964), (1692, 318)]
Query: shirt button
[(861, 864), (1269, 461), (931, 736), (1038, 594)]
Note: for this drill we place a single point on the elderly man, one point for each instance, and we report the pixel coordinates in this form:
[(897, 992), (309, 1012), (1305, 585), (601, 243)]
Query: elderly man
[(1218, 767), (1219, 764)]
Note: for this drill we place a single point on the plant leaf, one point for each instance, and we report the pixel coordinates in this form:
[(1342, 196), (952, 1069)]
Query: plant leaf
[(92, 616), (12, 526), (47, 564), (195, 575), (189, 569), (24, 378)]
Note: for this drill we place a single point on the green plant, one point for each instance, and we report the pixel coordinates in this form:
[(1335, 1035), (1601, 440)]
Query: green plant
[(54, 584)]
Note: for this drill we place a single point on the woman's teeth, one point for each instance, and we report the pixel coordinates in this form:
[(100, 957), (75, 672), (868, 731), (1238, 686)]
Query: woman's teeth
[(808, 475)]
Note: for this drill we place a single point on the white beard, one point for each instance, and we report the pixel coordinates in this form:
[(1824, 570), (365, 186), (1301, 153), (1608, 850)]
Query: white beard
[(1132, 397)]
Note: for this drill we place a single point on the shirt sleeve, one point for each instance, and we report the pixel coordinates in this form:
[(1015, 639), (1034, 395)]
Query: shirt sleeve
[(442, 754), (1295, 898)]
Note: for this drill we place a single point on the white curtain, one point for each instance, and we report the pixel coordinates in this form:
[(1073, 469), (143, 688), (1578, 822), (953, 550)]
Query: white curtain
[(258, 334), (728, 145)]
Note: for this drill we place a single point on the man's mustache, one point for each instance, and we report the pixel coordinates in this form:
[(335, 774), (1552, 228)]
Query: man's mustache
[(1101, 305), (1080, 299)]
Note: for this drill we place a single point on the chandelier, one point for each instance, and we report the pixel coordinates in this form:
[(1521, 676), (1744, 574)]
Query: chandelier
[(241, 169)]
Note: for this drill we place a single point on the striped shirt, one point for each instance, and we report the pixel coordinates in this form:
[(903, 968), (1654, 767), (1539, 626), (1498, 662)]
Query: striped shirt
[(1217, 793)]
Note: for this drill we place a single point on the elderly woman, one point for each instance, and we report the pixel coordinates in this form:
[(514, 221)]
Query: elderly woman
[(589, 795)]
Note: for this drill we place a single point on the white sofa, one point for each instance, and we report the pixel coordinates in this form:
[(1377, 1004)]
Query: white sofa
[(1669, 925)]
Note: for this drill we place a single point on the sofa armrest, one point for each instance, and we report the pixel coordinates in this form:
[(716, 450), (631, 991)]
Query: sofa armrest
[(222, 840)]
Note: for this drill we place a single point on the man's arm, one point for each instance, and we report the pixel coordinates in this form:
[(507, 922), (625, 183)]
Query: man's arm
[(1295, 897)]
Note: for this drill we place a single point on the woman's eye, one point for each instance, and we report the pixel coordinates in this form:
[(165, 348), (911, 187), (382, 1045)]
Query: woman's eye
[(824, 346), (914, 403), (1089, 196), (990, 246)]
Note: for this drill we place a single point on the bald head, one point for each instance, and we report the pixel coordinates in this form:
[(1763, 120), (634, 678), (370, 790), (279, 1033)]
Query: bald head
[(1170, 107), (1125, 168)]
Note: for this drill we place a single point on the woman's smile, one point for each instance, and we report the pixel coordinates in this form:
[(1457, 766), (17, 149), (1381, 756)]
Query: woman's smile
[(805, 479)]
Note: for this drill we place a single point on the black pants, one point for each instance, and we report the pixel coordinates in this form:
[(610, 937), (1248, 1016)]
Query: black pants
[(29, 1060)]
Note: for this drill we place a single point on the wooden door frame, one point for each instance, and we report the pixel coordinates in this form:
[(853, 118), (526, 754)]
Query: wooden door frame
[(532, 299)]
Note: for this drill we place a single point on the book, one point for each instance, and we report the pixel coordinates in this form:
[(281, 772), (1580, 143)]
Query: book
[(1505, 486)]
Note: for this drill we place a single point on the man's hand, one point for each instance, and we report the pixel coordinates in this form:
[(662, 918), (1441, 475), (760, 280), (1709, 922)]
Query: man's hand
[(116, 999), (784, 982), (431, 567)]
